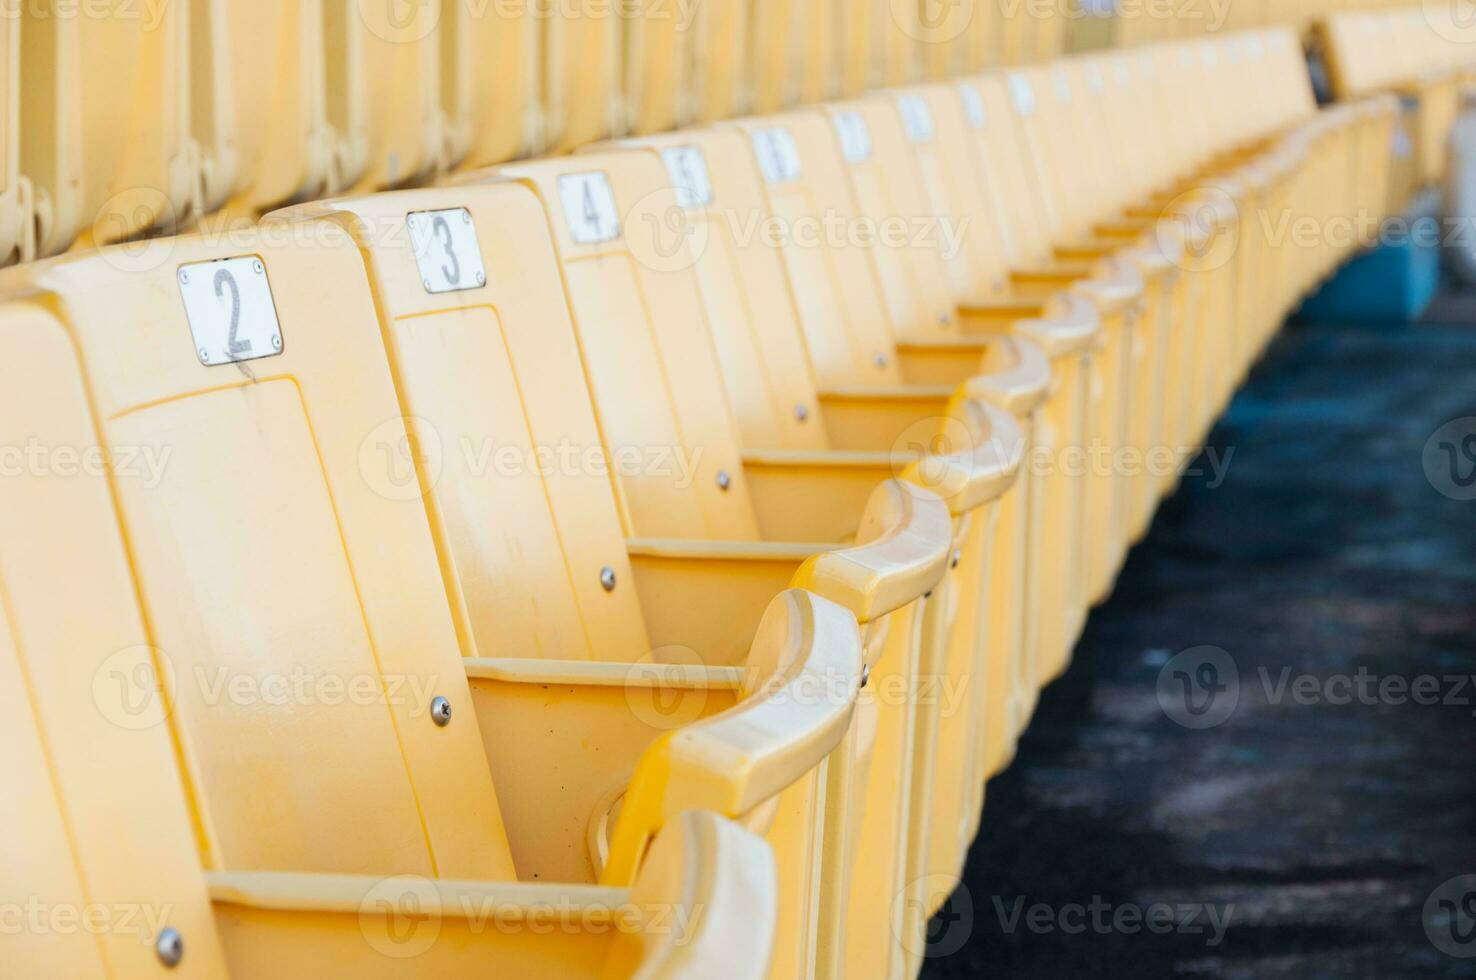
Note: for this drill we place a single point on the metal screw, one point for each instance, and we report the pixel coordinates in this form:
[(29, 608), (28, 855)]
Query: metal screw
[(465, 216), (724, 481), (184, 276), (865, 674), (427, 284), (481, 279), (169, 947), (607, 578), (956, 556), (801, 412), (440, 711), (276, 342), (881, 360), (256, 265), (204, 354)]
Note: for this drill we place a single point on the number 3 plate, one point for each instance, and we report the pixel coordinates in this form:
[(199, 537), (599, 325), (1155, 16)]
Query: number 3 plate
[(446, 250), (229, 307)]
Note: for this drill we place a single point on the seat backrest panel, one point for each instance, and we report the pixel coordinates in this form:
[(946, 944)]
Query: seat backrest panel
[(744, 287), (489, 375), (842, 308), (489, 78), (88, 756), (273, 545), (647, 352)]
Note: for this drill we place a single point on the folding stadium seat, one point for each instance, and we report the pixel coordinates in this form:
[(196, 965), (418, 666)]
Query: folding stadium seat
[(855, 34), (302, 484), (776, 49), (639, 316), (87, 86), (820, 58), (683, 600), (15, 223), (581, 73), (762, 351), (717, 70), (654, 62), (490, 71), (895, 32)]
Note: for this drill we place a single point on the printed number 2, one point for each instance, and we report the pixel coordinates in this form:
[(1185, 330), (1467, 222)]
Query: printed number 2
[(224, 279), (443, 232)]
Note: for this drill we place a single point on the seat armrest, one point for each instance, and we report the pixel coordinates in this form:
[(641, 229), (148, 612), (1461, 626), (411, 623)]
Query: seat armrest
[(796, 707), (1018, 388), (1072, 331)]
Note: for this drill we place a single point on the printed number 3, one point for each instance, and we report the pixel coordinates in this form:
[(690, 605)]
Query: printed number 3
[(443, 232), (224, 279)]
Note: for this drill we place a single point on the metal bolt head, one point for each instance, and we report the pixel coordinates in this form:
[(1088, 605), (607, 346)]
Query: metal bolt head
[(801, 412), (481, 279), (724, 481), (607, 578), (881, 360), (426, 283), (204, 354), (169, 947), (440, 711), (184, 276), (258, 268), (277, 342)]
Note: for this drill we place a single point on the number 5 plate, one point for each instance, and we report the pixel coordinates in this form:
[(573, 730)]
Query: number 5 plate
[(230, 311), (446, 250)]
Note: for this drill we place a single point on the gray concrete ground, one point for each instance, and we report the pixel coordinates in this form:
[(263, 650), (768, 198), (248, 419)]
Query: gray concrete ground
[(1283, 803)]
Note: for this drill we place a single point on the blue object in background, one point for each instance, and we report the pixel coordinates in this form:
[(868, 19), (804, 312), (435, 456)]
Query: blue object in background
[(1393, 282)]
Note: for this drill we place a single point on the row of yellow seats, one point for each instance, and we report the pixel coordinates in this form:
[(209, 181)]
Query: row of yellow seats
[(547, 455), (1143, 21), (1423, 54), (120, 118)]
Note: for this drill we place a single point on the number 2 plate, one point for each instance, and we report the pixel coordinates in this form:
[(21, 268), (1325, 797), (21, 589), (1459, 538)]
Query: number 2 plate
[(229, 307), (446, 250)]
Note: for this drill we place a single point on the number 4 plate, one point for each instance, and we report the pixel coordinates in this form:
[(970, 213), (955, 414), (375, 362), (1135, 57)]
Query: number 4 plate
[(228, 304), (446, 250)]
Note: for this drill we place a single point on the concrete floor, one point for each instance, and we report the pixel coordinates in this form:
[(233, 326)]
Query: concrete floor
[(1315, 832)]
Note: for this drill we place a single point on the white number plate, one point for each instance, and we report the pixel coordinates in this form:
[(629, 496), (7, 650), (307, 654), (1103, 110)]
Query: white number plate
[(917, 118), (973, 104), (589, 207), (1022, 94), (446, 250), (229, 306), (687, 168), (778, 154), (855, 136)]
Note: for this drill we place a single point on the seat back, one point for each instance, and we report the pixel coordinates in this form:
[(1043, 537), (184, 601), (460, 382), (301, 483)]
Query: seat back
[(489, 81), (106, 144), (717, 60), (647, 352), (12, 220), (897, 30), (289, 582), (841, 305), (820, 50), (654, 62), (580, 90), (89, 759), (479, 339), (776, 49), (884, 151), (745, 292)]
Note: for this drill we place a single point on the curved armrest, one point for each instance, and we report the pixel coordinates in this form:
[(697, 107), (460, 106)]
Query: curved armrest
[(901, 553), (1019, 388), (804, 672), (982, 472), (1070, 332), (1114, 290)]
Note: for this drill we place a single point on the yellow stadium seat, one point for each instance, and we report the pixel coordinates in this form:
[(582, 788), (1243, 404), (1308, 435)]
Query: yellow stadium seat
[(685, 600), (490, 74), (655, 62), (637, 309), (89, 85), (292, 894), (15, 219), (896, 33), (580, 43), (717, 53), (776, 48), (761, 349), (821, 55)]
